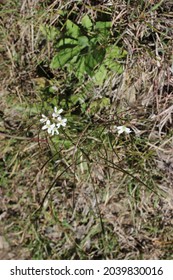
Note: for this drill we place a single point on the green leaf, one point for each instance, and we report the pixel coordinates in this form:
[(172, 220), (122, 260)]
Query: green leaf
[(94, 41), (90, 63), (93, 59), (102, 25), (116, 67), (64, 56), (103, 29), (72, 29), (79, 97), (114, 52), (86, 22), (80, 68), (100, 75), (83, 41), (67, 42)]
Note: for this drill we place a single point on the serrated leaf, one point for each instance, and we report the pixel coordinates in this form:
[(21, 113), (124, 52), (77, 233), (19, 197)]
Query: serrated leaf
[(86, 22), (72, 29), (64, 56)]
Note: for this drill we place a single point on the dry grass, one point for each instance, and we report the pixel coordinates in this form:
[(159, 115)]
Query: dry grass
[(107, 197)]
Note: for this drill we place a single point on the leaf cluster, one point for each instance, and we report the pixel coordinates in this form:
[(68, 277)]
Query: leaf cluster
[(85, 49)]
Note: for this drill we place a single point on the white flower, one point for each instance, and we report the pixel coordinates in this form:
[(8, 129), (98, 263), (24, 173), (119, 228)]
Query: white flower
[(56, 113), (50, 127), (122, 129), (44, 119), (55, 130), (61, 122)]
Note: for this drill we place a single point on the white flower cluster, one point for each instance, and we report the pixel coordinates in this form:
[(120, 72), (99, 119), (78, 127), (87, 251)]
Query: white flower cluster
[(52, 128)]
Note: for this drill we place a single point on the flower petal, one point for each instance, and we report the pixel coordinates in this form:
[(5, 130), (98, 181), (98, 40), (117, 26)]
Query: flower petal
[(44, 127), (44, 118), (60, 111)]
